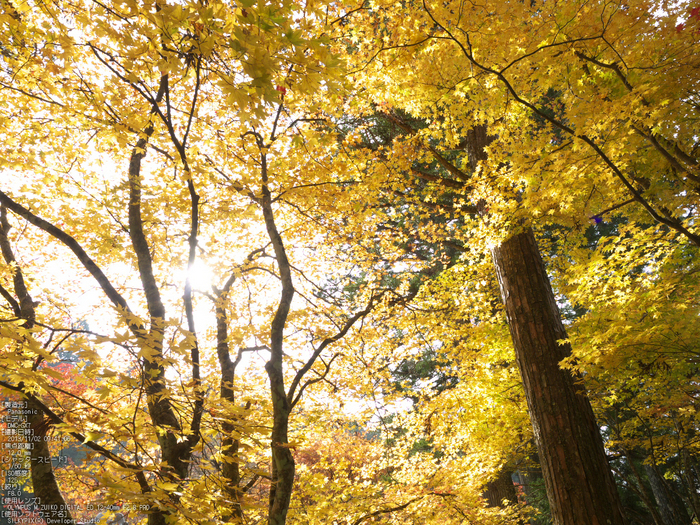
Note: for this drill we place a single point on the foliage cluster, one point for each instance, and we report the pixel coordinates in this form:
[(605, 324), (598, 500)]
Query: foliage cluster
[(248, 252)]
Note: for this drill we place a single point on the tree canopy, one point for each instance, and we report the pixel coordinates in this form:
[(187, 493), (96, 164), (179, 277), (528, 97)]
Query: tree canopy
[(314, 262)]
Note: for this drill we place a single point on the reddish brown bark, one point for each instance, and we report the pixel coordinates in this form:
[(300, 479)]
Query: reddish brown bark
[(580, 486)]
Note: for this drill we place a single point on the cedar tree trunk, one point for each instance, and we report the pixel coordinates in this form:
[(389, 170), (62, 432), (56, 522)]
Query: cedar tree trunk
[(580, 486)]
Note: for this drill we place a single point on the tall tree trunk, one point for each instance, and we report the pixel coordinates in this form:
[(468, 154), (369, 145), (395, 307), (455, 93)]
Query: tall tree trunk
[(580, 486), (283, 466), (230, 443)]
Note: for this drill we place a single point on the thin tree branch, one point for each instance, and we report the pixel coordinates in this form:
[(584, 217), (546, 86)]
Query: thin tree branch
[(293, 400), (387, 511)]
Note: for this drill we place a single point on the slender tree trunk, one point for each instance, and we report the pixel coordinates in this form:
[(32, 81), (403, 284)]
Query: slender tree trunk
[(688, 476), (283, 467), (580, 486), (230, 444)]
